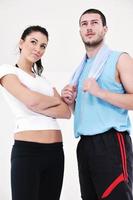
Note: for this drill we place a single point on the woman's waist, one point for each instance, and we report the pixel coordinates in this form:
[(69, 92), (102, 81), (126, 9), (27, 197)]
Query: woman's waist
[(40, 136)]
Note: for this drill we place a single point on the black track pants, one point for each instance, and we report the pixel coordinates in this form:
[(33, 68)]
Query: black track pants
[(105, 164)]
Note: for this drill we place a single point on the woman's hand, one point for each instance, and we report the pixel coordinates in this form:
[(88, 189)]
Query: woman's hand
[(69, 93)]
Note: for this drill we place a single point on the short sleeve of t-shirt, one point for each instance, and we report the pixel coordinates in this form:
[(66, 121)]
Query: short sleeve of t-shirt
[(7, 69)]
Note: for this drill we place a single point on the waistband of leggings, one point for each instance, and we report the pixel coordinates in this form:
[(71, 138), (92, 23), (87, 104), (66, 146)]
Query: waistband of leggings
[(27, 144)]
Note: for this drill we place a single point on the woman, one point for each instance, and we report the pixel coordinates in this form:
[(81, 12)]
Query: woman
[(37, 159)]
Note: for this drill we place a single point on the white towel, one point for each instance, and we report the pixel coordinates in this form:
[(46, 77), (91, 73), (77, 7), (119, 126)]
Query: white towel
[(97, 66)]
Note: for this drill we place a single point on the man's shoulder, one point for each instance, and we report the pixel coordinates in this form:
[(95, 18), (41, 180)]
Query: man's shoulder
[(125, 58), (115, 55)]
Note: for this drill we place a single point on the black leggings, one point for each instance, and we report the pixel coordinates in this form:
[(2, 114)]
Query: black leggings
[(36, 170)]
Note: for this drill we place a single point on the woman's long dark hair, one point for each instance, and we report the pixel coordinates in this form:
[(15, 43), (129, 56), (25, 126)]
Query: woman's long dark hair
[(37, 68)]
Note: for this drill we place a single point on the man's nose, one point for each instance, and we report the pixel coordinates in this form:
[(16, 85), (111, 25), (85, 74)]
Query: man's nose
[(89, 26)]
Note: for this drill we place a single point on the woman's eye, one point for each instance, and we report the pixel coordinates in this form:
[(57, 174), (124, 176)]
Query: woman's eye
[(43, 47), (33, 42)]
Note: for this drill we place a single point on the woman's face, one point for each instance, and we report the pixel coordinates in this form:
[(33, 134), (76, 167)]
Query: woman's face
[(33, 46)]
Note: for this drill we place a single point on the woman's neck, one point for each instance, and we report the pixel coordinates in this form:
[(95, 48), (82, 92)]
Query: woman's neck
[(25, 65)]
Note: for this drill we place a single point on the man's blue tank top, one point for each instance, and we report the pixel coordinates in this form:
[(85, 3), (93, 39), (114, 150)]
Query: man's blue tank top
[(94, 115)]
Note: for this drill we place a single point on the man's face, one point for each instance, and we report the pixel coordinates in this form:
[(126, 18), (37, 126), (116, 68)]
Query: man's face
[(92, 30)]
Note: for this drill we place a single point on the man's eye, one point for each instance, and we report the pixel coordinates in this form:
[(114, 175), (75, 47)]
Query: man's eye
[(83, 24), (94, 22)]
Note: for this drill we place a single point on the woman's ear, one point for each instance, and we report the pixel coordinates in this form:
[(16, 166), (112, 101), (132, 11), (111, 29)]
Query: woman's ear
[(21, 44)]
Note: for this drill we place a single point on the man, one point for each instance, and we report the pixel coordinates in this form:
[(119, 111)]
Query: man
[(101, 119)]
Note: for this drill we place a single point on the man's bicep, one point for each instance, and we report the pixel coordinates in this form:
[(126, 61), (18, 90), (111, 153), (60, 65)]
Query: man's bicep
[(125, 68)]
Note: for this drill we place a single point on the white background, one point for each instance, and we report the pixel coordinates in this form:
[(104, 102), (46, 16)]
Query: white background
[(63, 54)]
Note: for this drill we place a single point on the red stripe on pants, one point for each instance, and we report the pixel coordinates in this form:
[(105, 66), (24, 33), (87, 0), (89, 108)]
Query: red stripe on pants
[(124, 175), (118, 180)]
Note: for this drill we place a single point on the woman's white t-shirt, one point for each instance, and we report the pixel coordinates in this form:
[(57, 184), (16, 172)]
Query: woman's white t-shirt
[(26, 119)]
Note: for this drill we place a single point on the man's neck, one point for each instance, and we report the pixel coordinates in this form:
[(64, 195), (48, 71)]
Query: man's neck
[(92, 51)]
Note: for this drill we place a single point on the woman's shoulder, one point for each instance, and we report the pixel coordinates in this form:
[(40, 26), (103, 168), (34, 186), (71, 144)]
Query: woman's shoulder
[(6, 65), (7, 69)]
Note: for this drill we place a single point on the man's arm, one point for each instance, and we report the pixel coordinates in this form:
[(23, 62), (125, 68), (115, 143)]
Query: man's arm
[(125, 72)]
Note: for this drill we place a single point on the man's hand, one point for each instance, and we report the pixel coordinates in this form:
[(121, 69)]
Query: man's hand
[(91, 86)]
